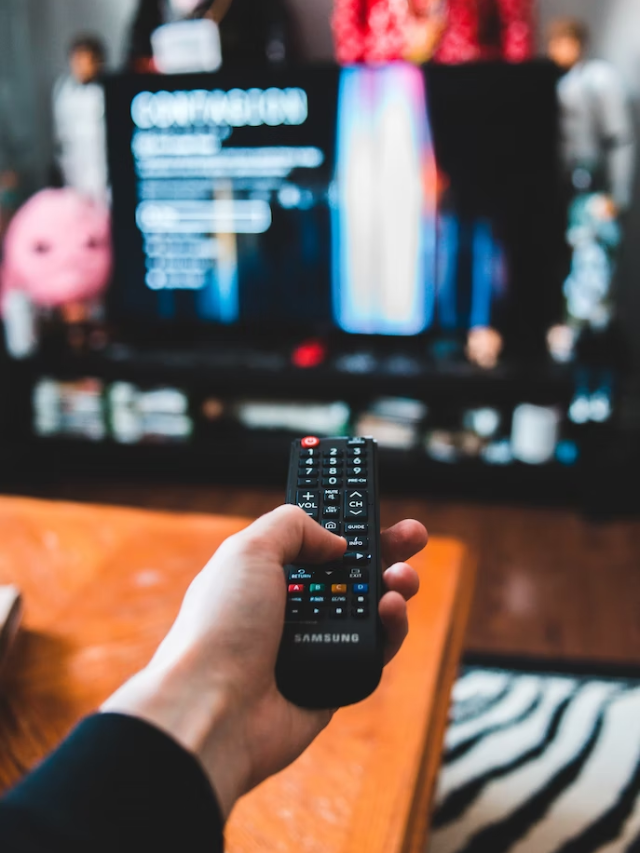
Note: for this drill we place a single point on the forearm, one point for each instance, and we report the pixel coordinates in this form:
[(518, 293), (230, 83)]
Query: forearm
[(196, 711), (115, 784)]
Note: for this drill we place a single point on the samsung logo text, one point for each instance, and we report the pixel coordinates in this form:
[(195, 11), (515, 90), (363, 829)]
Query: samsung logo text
[(326, 638)]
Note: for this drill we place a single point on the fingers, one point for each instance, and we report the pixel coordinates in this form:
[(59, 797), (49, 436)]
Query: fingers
[(402, 578), (393, 614), (289, 535), (402, 541), (402, 583)]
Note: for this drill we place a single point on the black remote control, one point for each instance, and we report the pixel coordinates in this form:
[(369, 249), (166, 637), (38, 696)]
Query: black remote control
[(332, 644)]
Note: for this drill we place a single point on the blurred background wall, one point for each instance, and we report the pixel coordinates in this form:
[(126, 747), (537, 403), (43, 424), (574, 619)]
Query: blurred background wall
[(34, 35)]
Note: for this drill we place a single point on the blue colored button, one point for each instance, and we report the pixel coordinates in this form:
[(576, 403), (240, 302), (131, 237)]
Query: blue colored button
[(361, 587)]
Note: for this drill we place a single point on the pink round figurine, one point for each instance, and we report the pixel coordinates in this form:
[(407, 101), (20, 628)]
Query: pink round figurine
[(57, 250)]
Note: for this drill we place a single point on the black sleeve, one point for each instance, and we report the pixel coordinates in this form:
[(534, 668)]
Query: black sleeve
[(116, 783)]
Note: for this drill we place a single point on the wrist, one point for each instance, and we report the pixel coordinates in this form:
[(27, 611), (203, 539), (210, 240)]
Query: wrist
[(200, 716)]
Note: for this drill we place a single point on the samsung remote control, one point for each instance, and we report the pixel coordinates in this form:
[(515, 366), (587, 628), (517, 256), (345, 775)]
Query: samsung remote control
[(332, 644)]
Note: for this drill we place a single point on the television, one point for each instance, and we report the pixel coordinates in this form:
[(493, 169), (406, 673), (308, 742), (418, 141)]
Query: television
[(361, 201)]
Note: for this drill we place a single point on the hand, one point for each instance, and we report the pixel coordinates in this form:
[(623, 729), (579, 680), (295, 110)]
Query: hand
[(211, 684), (484, 346)]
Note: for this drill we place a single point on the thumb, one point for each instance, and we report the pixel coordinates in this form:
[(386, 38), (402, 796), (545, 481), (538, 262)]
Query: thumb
[(291, 536)]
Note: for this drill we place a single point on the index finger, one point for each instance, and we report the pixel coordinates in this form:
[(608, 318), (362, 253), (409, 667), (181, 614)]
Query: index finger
[(402, 541)]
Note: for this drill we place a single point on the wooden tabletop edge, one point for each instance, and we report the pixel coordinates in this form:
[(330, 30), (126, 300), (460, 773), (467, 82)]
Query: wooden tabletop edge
[(418, 822)]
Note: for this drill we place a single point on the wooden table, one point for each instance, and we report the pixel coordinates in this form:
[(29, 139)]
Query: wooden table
[(102, 586)]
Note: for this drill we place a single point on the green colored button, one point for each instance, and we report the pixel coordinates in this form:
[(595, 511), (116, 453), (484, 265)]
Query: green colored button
[(317, 587)]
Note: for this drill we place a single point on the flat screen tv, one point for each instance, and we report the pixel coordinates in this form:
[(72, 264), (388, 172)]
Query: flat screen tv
[(386, 200)]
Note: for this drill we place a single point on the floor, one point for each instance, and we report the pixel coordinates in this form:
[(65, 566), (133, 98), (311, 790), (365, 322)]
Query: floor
[(550, 583)]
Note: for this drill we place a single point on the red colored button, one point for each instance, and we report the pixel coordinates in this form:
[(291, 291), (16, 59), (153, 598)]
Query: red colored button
[(310, 441), (296, 587)]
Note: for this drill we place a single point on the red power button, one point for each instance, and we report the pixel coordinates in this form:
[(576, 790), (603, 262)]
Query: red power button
[(310, 441)]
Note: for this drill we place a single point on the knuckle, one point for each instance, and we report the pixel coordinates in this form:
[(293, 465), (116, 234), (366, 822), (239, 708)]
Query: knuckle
[(290, 511)]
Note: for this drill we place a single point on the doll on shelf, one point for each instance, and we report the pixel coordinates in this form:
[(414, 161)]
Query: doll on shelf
[(56, 265)]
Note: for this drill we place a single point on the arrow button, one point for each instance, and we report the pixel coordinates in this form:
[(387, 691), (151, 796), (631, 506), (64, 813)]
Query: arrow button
[(357, 557), (356, 504)]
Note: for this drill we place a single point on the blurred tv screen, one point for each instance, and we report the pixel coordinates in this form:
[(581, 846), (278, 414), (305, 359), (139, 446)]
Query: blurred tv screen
[(387, 200)]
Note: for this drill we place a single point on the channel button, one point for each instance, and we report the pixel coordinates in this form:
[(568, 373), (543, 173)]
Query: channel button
[(355, 504)]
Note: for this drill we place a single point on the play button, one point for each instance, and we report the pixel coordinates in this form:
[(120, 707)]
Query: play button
[(357, 557)]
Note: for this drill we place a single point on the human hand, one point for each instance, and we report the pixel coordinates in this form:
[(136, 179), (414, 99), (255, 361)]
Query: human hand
[(484, 346), (211, 684)]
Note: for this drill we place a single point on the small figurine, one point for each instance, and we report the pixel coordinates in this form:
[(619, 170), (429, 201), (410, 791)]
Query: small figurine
[(57, 258), (598, 146), (79, 120)]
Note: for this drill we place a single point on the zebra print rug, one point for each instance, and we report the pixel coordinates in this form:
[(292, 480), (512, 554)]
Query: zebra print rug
[(540, 763)]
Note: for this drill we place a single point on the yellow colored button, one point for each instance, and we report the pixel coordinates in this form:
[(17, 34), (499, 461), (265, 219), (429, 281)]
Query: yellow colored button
[(339, 587)]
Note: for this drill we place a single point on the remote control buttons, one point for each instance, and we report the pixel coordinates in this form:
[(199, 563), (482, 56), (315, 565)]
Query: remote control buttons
[(317, 587), (332, 496), (355, 504), (308, 459), (307, 471), (360, 612), (332, 471), (355, 527), (331, 512), (299, 575), (358, 575), (359, 558), (296, 587), (339, 588), (295, 612), (333, 451), (357, 543), (310, 441), (308, 501), (332, 526), (361, 588), (339, 612)]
